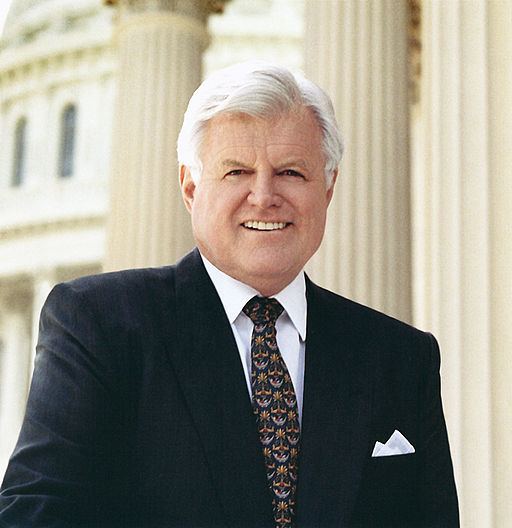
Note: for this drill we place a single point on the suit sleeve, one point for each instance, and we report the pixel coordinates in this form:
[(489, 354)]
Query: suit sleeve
[(60, 474), (437, 490)]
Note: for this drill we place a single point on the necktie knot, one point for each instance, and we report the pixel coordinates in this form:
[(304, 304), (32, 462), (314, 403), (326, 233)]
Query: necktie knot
[(263, 310)]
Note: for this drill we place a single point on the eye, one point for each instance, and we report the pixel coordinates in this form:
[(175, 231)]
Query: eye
[(291, 172), (235, 172)]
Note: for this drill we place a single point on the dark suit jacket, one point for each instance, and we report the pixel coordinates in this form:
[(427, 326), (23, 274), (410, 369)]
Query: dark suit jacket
[(139, 414)]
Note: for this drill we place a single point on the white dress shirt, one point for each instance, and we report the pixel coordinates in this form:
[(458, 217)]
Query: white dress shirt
[(290, 326)]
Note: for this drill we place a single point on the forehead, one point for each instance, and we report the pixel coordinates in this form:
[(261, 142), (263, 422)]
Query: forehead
[(296, 133)]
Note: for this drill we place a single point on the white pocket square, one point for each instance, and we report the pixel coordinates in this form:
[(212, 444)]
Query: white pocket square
[(396, 445)]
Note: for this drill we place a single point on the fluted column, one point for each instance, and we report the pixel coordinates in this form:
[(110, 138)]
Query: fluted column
[(357, 51), (500, 193), (462, 198), (14, 373), (42, 285), (160, 49)]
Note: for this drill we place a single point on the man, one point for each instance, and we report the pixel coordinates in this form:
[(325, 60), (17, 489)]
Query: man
[(228, 389)]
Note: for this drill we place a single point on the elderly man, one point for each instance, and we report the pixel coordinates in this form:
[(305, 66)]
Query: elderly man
[(228, 389)]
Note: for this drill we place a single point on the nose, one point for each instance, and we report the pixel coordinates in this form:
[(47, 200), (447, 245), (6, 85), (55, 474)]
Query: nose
[(263, 192)]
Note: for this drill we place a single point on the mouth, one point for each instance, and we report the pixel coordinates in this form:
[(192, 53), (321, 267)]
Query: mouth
[(265, 226)]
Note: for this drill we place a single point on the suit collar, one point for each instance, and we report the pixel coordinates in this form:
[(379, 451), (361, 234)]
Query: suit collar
[(235, 294)]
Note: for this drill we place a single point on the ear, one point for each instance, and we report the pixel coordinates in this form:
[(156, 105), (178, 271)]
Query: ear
[(330, 190), (188, 186)]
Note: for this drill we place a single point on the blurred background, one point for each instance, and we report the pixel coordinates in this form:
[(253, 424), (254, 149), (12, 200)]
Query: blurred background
[(92, 94)]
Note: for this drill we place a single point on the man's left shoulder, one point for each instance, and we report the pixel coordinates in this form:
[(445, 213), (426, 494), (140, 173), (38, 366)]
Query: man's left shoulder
[(338, 314)]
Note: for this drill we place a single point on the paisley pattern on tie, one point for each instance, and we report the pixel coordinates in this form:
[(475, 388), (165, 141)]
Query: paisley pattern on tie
[(275, 408)]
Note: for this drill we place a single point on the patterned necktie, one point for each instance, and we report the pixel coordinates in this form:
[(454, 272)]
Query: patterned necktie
[(275, 408)]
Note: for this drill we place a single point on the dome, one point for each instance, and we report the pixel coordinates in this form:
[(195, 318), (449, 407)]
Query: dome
[(18, 7), (29, 20)]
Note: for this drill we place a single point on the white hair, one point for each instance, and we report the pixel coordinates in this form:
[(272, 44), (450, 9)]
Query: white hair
[(259, 89)]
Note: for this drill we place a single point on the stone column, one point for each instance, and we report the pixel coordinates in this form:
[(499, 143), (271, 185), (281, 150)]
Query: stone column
[(462, 194), (43, 283), (160, 50), (14, 374), (499, 72), (357, 52)]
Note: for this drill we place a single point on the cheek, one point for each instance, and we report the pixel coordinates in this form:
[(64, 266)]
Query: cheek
[(314, 219), (212, 211), (311, 211), (202, 220)]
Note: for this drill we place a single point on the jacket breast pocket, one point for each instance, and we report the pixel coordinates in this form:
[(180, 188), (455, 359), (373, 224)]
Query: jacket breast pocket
[(388, 492)]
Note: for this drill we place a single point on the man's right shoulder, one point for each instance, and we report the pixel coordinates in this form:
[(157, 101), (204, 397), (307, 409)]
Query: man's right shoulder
[(113, 298), (120, 280), (136, 280), (127, 293)]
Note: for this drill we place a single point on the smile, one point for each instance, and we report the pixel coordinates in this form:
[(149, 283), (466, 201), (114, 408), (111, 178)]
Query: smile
[(265, 226)]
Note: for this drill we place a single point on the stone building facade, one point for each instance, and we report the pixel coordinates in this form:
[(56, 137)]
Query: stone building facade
[(420, 226), (58, 84)]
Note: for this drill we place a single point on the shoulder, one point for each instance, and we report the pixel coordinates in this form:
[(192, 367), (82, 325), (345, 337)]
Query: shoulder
[(122, 294), (365, 327), (123, 282), (118, 286), (112, 291), (336, 306)]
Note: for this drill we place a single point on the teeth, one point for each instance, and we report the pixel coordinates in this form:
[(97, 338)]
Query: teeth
[(264, 226)]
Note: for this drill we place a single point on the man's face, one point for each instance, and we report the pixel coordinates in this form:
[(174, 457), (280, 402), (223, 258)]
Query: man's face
[(259, 208)]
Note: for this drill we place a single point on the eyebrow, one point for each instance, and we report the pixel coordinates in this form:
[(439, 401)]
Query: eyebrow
[(293, 162), (229, 162), (297, 162)]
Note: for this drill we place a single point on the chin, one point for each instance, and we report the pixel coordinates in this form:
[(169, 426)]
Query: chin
[(273, 264), (270, 273)]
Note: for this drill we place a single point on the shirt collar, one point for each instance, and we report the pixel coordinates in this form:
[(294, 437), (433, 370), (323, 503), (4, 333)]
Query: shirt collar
[(234, 295)]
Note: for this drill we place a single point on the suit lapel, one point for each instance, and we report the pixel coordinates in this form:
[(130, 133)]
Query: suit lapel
[(211, 376), (336, 407), (336, 414)]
